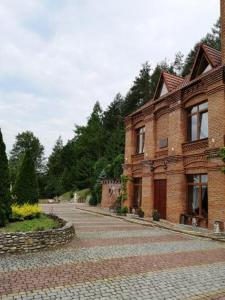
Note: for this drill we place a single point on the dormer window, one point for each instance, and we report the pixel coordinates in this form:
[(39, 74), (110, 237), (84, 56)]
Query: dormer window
[(204, 66), (164, 90), (140, 140), (166, 84), (206, 59)]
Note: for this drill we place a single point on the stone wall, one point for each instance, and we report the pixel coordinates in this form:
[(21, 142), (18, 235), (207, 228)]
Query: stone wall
[(22, 242)]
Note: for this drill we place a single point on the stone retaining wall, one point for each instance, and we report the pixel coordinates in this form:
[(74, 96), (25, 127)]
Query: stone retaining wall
[(21, 242)]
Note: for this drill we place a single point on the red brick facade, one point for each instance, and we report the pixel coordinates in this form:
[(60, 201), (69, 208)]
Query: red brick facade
[(168, 153)]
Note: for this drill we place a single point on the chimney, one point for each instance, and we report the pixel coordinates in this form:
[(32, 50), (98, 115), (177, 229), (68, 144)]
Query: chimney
[(222, 16)]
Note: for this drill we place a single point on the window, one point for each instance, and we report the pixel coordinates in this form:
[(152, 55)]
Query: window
[(198, 122), (140, 140), (198, 195), (164, 90), (204, 66)]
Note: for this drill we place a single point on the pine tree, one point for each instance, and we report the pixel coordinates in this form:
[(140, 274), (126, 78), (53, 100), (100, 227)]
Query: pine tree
[(5, 199), (212, 39), (55, 169), (139, 92), (26, 185)]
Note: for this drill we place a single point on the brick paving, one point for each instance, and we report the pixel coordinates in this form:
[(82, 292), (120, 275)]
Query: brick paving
[(113, 259)]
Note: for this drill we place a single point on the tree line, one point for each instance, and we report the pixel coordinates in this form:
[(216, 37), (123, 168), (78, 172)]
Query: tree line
[(94, 153)]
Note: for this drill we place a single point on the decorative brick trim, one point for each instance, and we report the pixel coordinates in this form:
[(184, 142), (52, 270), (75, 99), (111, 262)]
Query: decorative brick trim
[(110, 181), (21, 242), (215, 90), (202, 157), (197, 145), (161, 153), (137, 158)]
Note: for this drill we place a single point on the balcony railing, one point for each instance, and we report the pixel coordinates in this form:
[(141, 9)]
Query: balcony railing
[(196, 145)]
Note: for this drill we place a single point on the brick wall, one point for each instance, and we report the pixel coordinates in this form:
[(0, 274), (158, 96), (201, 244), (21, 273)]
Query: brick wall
[(161, 129), (110, 193), (222, 6), (167, 117)]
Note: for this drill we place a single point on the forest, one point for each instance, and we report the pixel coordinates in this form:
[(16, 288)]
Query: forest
[(96, 151)]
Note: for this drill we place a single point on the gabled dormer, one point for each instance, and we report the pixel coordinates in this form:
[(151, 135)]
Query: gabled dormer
[(167, 83), (206, 59)]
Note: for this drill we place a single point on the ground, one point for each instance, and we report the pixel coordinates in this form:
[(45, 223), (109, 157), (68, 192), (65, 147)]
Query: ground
[(114, 259)]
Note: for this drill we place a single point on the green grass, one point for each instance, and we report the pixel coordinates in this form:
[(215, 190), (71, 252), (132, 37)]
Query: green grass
[(84, 193), (42, 223), (66, 196)]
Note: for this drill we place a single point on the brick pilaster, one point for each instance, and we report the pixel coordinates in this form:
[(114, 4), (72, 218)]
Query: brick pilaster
[(222, 13)]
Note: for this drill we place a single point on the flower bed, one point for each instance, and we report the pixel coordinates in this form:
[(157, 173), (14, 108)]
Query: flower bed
[(21, 242)]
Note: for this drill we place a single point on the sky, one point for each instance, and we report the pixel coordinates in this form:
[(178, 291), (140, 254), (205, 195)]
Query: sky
[(58, 57)]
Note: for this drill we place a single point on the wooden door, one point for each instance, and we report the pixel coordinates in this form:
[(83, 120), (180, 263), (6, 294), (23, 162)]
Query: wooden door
[(160, 195)]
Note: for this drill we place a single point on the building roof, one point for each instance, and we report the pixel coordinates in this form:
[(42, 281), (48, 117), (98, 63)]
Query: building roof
[(174, 82), (213, 55), (171, 81)]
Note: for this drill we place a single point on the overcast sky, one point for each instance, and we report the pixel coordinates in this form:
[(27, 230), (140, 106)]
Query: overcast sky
[(57, 57)]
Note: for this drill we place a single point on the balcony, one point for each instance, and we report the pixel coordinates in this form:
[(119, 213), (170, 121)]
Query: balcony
[(195, 146)]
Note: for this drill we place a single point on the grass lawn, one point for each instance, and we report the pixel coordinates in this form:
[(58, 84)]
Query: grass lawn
[(42, 223)]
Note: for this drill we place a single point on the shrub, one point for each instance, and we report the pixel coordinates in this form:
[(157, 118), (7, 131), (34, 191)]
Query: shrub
[(5, 197), (26, 211), (155, 215), (118, 211), (26, 185), (140, 213), (124, 210)]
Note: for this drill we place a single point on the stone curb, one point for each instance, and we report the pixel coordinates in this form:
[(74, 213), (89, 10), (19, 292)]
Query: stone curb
[(157, 224), (24, 242)]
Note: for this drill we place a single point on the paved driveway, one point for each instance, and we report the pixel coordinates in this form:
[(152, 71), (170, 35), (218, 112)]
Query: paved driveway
[(113, 259)]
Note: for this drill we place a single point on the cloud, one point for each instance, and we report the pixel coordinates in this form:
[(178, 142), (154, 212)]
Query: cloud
[(58, 57)]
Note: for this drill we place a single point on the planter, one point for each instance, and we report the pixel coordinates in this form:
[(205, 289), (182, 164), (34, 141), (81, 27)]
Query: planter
[(23, 242), (156, 216)]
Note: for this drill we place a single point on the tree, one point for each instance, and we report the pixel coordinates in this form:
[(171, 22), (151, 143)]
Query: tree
[(113, 123), (140, 90), (212, 39), (89, 146), (5, 198), (26, 141), (26, 185), (178, 64), (55, 170)]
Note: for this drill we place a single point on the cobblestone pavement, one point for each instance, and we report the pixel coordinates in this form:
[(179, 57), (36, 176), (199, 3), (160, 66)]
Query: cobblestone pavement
[(114, 259)]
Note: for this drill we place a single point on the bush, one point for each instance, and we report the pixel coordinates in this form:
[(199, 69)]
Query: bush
[(26, 211), (118, 211), (155, 215), (140, 213), (124, 210)]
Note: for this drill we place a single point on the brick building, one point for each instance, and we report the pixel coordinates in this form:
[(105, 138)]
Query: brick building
[(172, 143)]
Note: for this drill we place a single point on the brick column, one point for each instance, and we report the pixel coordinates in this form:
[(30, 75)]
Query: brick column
[(147, 194), (216, 197), (149, 138), (222, 12), (177, 131), (176, 196), (129, 141), (216, 101)]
